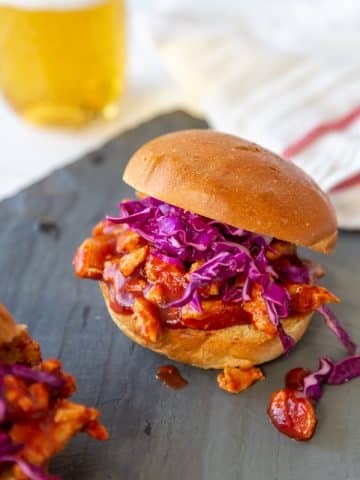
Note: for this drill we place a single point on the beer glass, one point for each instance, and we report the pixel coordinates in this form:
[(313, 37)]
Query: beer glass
[(62, 61)]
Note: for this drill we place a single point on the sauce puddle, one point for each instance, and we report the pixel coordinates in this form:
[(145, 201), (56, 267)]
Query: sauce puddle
[(171, 377)]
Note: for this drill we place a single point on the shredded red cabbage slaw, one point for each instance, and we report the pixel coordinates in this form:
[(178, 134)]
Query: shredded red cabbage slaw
[(225, 252)]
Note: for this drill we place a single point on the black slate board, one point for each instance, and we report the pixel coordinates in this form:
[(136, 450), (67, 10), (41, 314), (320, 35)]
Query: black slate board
[(156, 434)]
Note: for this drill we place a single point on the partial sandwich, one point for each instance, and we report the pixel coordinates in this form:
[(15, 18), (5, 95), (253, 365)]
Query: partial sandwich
[(37, 420), (203, 266)]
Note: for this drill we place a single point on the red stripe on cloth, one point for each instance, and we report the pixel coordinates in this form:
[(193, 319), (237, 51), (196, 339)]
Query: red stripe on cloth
[(324, 128), (348, 183), (317, 132)]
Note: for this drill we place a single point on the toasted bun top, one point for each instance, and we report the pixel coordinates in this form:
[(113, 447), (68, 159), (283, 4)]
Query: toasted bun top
[(229, 179)]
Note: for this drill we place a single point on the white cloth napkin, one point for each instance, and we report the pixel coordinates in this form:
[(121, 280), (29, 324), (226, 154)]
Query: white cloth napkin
[(270, 72)]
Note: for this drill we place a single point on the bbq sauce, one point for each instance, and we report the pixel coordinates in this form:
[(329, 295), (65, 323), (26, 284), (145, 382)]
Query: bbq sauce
[(290, 411), (171, 377)]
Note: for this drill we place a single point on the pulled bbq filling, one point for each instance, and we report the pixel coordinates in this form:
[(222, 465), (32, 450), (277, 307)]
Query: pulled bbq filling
[(37, 419), (171, 268)]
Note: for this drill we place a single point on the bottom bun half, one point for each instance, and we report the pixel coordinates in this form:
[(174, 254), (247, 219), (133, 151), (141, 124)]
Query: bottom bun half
[(239, 346)]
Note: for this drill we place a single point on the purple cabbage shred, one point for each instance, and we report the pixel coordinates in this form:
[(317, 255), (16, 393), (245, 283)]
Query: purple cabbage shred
[(314, 381), (334, 325), (331, 373)]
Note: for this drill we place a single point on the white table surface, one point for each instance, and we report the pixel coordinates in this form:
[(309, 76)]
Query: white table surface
[(27, 153)]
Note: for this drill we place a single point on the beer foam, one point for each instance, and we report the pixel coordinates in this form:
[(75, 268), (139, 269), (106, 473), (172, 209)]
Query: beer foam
[(45, 5)]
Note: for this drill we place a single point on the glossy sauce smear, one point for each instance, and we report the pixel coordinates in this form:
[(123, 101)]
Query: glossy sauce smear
[(171, 377)]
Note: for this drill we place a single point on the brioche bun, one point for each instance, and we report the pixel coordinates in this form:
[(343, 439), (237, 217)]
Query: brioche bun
[(229, 179), (239, 346)]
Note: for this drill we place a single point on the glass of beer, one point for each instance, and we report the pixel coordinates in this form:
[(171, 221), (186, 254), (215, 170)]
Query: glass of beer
[(62, 61)]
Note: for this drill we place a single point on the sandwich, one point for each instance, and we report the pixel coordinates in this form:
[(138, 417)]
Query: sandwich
[(202, 266), (37, 419)]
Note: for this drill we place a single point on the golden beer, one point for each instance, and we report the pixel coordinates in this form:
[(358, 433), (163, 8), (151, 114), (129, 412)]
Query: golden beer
[(62, 66)]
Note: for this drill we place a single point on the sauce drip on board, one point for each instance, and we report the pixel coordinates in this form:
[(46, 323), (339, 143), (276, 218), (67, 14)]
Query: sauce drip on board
[(290, 411), (171, 377), (294, 379)]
